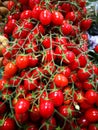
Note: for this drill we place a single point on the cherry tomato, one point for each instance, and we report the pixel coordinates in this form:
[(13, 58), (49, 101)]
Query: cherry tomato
[(91, 96), (24, 2), (93, 127), (22, 118), (46, 108), (91, 115), (66, 28), (32, 3), (33, 60), (83, 121), (70, 16), (3, 84), (26, 14), (57, 18), (66, 111), (45, 17), (10, 5), (30, 84), (66, 71), (57, 97), (60, 80), (9, 124), (11, 24), (3, 107), (10, 69), (22, 106), (22, 61), (51, 123), (36, 12), (35, 114), (83, 74), (69, 57)]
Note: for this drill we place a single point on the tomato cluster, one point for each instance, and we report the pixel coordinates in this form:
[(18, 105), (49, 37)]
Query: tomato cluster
[(49, 81)]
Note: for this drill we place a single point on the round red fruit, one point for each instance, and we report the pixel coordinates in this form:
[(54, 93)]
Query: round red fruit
[(22, 61), (46, 108), (22, 106), (45, 17), (57, 97), (91, 115), (60, 80), (57, 18)]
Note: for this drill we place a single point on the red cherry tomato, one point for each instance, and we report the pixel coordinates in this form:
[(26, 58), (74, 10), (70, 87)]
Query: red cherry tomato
[(60, 80), (46, 108), (45, 17), (22, 106), (22, 61)]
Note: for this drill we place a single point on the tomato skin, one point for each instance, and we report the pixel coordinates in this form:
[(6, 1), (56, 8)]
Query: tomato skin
[(32, 61), (19, 33), (66, 7), (27, 25), (48, 56), (7, 29), (22, 106), (57, 18), (70, 57), (10, 5), (16, 15), (46, 108), (32, 127), (3, 107), (6, 93), (47, 42), (41, 29), (31, 47), (83, 74), (91, 115), (9, 124), (35, 114), (66, 111), (26, 14), (57, 97), (66, 28), (95, 69), (11, 25), (10, 69), (79, 96), (22, 118), (30, 84), (67, 91), (24, 2), (93, 127), (60, 80), (85, 24), (85, 106), (91, 96), (83, 121), (36, 12), (82, 60), (70, 16), (81, 3), (22, 61), (49, 68), (87, 85), (51, 123), (45, 17), (32, 3), (3, 83), (66, 71), (96, 49)]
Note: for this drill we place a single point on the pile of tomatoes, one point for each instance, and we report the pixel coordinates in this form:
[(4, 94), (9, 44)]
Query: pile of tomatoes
[(49, 81)]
